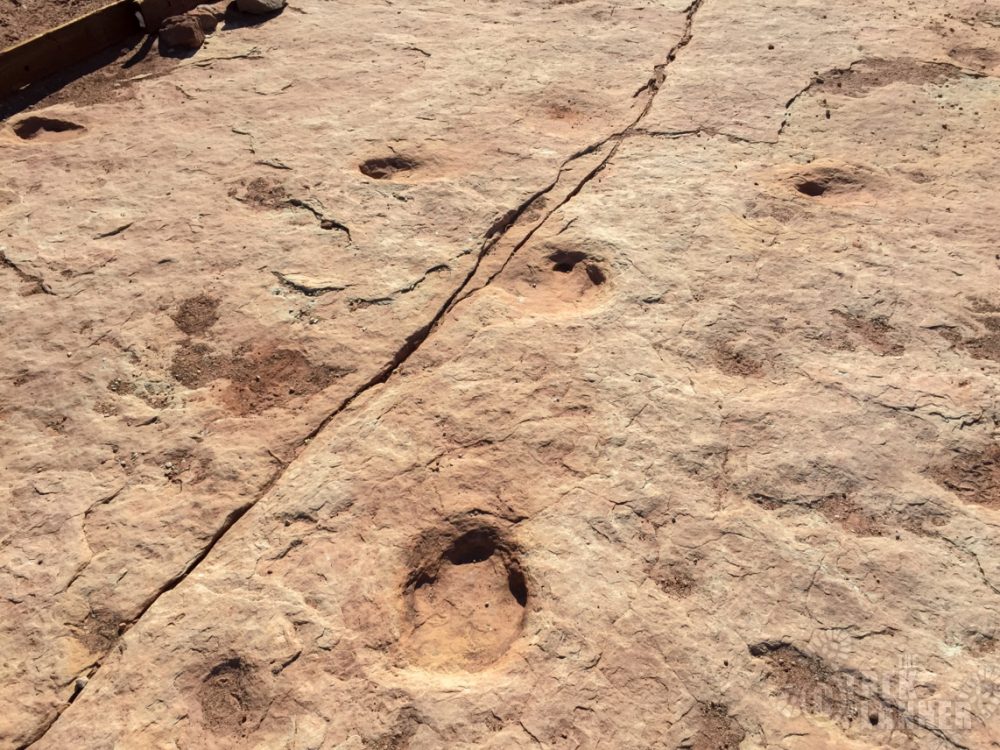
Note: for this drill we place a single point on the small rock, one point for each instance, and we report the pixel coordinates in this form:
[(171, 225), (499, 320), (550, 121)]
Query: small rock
[(182, 32), (260, 7), (206, 17)]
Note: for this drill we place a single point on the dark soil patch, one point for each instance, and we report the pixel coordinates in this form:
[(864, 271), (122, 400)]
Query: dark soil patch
[(121, 387), (992, 322), (261, 192), (673, 577), (979, 643), (107, 76), (923, 519), (980, 305), (736, 363), (196, 314), (186, 466), (975, 476), (719, 730), (195, 365), (99, 630), (231, 697), (986, 346), (808, 681), (20, 20), (977, 58), (840, 508)]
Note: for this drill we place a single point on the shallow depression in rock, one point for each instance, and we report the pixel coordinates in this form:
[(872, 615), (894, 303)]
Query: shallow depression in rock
[(559, 281), (46, 128), (465, 603), (386, 168)]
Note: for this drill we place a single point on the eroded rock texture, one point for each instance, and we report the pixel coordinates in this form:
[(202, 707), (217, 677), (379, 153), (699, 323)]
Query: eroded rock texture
[(508, 375)]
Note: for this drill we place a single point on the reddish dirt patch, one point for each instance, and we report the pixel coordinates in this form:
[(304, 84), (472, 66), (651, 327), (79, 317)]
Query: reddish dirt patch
[(264, 378), (196, 314), (808, 681), (110, 75), (259, 378), (121, 387), (195, 365), (975, 477), (21, 20), (673, 577), (876, 332), (840, 509), (986, 346), (718, 731), (979, 643)]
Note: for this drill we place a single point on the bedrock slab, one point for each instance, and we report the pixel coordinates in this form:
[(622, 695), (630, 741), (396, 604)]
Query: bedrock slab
[(697, 449)]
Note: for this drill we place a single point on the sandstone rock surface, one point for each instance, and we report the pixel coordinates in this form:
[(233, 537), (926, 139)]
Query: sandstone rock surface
[(497, 375)]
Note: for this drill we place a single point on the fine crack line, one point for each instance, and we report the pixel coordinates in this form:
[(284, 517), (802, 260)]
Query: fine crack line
[(113, 232), (28, 278), (409, 346), (325, 222), (391, 296), (307, 290), (709, 132), (653, 87)]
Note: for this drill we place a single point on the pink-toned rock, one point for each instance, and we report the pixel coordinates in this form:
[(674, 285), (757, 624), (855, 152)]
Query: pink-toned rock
[(609, 379), (206, 16)]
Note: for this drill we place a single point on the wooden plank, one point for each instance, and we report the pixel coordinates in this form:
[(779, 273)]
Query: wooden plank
[(66, 45)]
